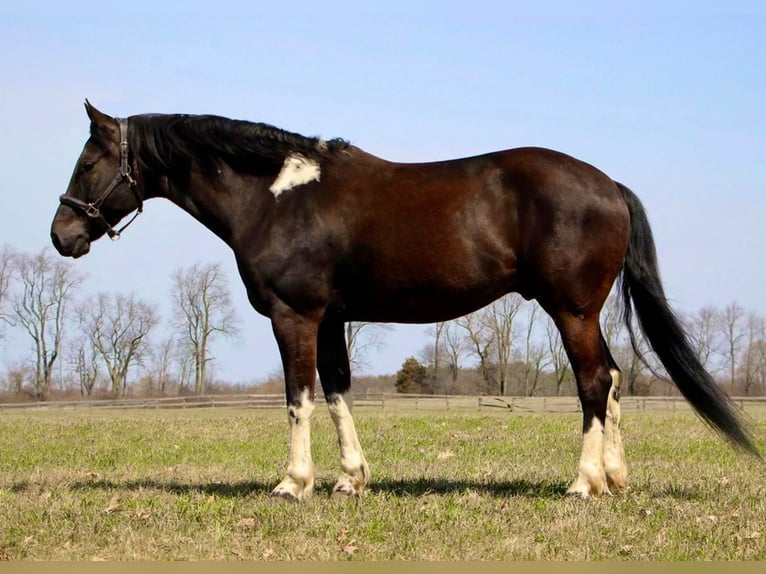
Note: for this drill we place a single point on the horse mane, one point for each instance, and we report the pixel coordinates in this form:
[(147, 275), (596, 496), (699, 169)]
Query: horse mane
[(173, 142)]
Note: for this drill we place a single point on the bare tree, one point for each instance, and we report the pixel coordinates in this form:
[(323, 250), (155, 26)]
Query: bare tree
[(480, 341), (448, 345), (534, 352), (84, 363), (362, 338), (116, 326), (431, 358), (611, 319), (454, 347), (756, 381), (752, 354), (202, 309), (733, 337), (558, 356), (437, 330), (499, 317), (163, 354), (491, 336), (184, 360), (633, 367), (16, 375), (46, 285), (705, 334), (6, 270)]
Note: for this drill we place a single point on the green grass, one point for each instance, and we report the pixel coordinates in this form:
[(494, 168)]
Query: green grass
[(195, 485)]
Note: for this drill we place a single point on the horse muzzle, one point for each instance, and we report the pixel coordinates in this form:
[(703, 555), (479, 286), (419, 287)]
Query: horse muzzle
[(70, 237)]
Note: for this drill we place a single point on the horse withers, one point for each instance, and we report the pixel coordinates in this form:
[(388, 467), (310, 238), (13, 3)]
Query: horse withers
[(324, 233)]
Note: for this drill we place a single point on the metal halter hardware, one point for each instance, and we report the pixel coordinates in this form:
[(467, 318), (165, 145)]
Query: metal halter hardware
[(93, 209)]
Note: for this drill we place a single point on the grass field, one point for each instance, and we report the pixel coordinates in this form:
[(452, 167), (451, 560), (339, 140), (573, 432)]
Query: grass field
[(448, 486)]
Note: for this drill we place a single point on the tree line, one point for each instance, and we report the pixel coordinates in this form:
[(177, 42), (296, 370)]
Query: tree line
[(510, 347), (109, 333)]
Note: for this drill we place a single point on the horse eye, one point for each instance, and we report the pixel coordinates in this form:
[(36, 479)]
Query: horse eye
[(88, 165)]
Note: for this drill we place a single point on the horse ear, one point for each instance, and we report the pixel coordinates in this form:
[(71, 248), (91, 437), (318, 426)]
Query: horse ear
[(99, 121)]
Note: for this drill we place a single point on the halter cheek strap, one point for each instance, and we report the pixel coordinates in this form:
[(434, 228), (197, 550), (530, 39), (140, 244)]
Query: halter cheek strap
[(93, 209)]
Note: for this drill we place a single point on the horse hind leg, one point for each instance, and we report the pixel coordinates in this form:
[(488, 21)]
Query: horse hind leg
[(614, 453), (602, 462)]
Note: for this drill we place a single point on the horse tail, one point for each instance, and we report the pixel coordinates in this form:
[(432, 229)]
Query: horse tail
[(641, 284)]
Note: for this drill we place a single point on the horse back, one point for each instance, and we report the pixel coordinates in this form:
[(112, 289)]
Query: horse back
[(421, 242)]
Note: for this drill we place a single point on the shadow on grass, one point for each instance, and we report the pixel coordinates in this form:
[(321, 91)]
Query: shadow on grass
[(394, 487), (422, 487), (401, 488), (222, 489), (684, 493)]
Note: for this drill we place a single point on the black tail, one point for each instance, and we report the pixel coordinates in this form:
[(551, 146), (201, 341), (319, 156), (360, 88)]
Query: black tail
[(641, 284)]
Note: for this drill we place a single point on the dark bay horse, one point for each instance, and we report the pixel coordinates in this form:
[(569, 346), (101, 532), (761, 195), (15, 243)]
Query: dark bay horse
[(325, 233)]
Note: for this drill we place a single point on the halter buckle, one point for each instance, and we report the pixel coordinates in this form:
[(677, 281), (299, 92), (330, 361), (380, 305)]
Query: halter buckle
[(92, 211)]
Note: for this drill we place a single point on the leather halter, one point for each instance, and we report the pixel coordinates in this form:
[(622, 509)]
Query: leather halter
[(93, 209)]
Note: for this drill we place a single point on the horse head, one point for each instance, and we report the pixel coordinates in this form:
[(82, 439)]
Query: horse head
[(101, 191)]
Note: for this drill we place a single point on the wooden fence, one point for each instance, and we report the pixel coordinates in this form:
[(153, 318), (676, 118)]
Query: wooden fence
[(388, 402)]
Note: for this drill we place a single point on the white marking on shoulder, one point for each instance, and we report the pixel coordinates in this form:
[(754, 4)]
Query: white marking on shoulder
[(296, 170)]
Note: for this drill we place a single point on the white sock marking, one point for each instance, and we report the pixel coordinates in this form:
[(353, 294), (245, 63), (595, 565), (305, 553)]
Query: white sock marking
[(300, 466), (296, 170), (352, 460), (614, 454), (590, 473), (591, 460), (350, 450)]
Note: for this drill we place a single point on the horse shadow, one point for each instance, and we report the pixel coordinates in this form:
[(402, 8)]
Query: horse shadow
[(499, 489), (393, 487), (401, 488)]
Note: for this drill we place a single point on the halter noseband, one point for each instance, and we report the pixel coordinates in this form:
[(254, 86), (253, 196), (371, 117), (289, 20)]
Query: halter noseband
[(93, 209)]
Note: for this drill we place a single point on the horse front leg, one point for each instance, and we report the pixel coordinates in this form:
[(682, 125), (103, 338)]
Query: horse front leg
[(297, 337), (335, 376)]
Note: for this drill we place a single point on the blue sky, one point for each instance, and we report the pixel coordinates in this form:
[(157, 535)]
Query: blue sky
[(665, 97)]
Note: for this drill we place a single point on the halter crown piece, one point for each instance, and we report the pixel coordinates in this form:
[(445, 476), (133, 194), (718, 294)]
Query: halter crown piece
[(93, 209)]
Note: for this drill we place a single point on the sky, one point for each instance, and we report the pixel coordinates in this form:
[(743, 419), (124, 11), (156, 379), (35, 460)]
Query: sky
[(665, 97)]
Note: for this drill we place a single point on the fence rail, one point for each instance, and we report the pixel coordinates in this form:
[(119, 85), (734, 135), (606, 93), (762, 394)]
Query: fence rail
[(387, 401)]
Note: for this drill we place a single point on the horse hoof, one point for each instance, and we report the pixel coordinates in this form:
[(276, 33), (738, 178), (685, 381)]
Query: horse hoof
[(345, 492), (616, 482), (349, 486), (578, 494), (284, 495)]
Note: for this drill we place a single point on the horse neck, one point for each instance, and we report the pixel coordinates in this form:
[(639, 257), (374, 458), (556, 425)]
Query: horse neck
[(215, 193), (215, 204)]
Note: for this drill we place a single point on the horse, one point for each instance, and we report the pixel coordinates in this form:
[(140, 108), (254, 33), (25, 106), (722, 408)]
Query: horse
[(324, 233)]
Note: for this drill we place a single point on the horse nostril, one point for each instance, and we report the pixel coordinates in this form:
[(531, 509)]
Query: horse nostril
[(56, 241)]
